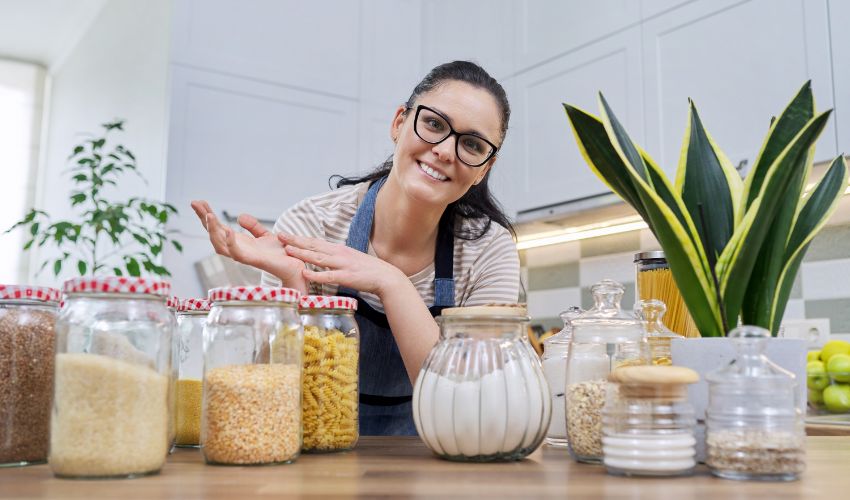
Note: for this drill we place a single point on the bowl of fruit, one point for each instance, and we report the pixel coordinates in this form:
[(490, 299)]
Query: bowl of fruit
[(828, 378)]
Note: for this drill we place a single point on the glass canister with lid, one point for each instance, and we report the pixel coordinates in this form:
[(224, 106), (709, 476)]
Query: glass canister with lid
[(554, 361), (189, 344), (604, 338), (754, 426), (27, 340), (113, 372), (330, 393), (648, 424), (253, 348), (481, 394), (658, 336)]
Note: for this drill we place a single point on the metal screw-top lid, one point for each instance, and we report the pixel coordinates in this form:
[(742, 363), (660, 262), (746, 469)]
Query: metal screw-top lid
[(654, 254)]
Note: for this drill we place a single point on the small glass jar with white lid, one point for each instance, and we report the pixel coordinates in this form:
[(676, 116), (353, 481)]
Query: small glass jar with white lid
[(554, 360)]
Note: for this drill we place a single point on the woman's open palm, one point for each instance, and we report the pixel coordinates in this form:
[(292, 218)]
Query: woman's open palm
[(259, 247)]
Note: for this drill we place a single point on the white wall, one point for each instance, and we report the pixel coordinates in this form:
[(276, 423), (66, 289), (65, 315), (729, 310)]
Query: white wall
[(119, 69)]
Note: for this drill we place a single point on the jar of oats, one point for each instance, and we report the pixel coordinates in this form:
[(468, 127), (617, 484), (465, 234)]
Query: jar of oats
[(111, 413), (189, 348), (329, 399), (604, 338), (27, 339), (754, 427), (254, 343)]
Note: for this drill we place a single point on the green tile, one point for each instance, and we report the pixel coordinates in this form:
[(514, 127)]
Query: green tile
[(549, 277), (628, 301), (606, 245), (837, 310), (831, 243)]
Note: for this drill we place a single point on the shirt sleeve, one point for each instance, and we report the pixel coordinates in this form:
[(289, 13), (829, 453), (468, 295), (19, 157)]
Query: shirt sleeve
[(494, 276)]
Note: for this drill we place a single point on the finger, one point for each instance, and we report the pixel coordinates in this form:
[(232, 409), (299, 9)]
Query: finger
[(201, 209), (306, 242), (217, 235), (233, 248), (319, 259), (322, 277), (250, 223)]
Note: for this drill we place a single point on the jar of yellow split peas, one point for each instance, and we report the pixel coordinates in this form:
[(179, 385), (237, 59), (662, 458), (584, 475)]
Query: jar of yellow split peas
[(189, 352), (330, 383)]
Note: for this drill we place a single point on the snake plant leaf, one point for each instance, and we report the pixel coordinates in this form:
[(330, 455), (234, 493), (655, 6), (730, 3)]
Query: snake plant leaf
[(601, 157), (782, 130), (706, 186), (815, 212), (736, 263)]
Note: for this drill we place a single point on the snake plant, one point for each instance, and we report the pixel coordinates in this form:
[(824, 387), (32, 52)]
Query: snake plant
[(734, 245)]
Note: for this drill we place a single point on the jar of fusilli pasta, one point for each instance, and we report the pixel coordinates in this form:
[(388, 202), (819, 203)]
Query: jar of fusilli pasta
[(253, 346), (329, 393)]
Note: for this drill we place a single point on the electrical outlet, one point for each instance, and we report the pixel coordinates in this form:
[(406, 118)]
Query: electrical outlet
[(815, 331)]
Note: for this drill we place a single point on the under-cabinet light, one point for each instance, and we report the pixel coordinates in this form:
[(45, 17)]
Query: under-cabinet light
[(616, 226)]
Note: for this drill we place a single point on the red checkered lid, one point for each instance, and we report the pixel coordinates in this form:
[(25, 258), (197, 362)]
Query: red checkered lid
[(194, 305), (118, 284), (327, 302), (40, 293), (254, 294), (173, 302)]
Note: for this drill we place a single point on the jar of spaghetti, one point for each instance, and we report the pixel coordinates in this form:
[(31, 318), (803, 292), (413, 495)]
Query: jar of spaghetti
[(654, 280), (329, 398)]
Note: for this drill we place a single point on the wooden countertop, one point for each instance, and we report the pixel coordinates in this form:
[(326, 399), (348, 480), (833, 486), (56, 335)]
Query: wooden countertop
[(404, 467)]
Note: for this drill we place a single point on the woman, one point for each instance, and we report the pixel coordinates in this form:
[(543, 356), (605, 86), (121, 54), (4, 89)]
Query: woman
[(421, 229)]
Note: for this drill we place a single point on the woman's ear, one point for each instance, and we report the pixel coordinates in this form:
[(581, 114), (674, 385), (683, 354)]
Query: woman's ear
[(483, 171), (398, 121)]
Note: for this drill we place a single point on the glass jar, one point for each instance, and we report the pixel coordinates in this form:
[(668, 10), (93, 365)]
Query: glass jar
[(754, 426), (658, 336), (604, 338), (554, 361), (27, 340), (172, 304), (253, 347), (481, 394), (189, 345), (113, 374), (648, 424), (329, 397), (654, 280)]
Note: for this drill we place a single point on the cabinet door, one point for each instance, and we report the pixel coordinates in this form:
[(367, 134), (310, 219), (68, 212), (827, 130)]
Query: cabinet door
[(543, 150), (839, 17), (741, 62)]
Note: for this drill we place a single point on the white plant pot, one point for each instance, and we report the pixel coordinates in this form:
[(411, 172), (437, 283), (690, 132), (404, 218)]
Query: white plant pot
[(705, 355)]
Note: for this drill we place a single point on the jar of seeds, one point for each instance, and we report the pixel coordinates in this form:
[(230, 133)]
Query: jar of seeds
[(189, 345), (253, 349), (604, 338), (754, 427), (27, 340)]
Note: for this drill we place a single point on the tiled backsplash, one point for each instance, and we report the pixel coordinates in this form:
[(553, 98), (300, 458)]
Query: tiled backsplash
[(560, 276)]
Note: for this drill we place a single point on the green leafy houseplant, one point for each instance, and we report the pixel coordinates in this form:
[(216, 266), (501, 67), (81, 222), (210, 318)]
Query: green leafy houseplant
[(135, 229), (734, 246)]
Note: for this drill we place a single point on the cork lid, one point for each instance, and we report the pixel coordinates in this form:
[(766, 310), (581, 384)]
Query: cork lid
[(487, 310), (653, 375)]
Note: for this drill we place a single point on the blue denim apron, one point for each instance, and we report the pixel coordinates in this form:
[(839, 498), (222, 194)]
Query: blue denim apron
[(385, 390)]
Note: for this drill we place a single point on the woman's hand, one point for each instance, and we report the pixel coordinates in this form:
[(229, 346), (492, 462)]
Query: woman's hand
[(346, 266), (258, 247)]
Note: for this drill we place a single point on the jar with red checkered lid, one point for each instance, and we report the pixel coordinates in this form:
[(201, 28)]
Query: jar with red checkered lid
[(112, 414), (330, 386), (27, 340), (189, 345), (253, 347)]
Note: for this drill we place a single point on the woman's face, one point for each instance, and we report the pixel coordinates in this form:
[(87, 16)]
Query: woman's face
[(432, 173)]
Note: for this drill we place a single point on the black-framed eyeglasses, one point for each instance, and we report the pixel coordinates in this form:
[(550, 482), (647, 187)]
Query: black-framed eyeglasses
[(434, 128)]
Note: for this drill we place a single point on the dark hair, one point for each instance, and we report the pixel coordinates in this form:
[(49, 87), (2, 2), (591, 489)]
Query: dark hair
[(478, 202)]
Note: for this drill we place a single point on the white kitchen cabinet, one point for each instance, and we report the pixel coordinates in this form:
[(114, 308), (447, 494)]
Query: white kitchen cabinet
[(309, 45), (839, 17), (546, 164), (741, 62), (547, 29), (652, 8)]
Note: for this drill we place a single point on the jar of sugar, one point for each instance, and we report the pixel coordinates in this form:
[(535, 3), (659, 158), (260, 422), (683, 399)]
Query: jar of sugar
[(554, 360), (481, 394)]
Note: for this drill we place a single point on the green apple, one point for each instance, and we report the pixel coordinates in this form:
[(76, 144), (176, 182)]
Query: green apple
[(813, 356), (837, 398), (815, 397), (834, 347), (816, 377), (838, 367)]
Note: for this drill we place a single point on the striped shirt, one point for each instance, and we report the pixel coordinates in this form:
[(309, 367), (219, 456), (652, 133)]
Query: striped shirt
[(486, 270)]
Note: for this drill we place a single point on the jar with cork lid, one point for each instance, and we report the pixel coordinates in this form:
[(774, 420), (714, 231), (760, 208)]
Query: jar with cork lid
[(648, 424)]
